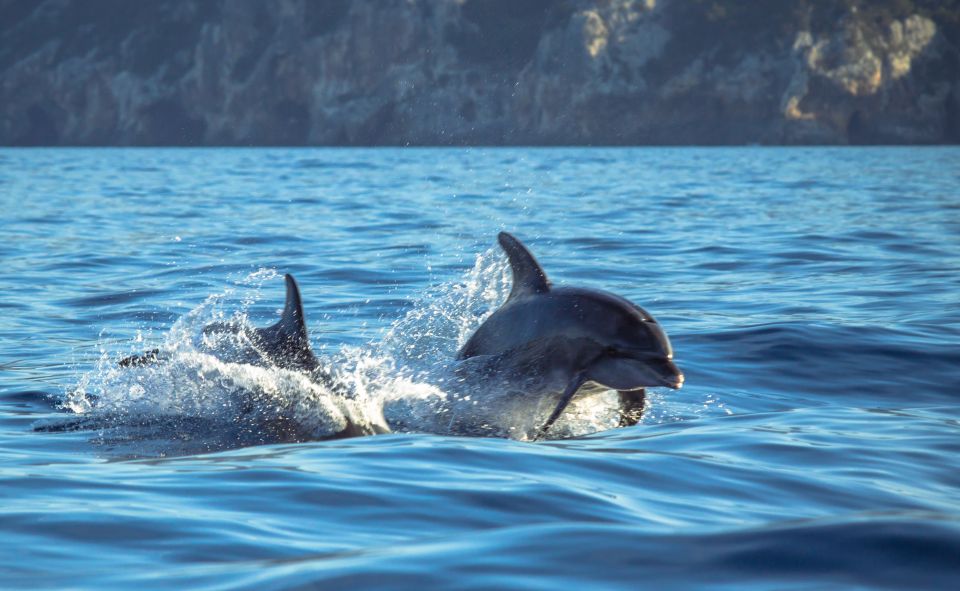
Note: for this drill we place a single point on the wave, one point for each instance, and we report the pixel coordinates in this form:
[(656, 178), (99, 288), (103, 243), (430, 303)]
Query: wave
[(869, 551), (861, 364)]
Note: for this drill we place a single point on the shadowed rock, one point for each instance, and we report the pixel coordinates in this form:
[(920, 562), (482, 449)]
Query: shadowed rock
[(192, 72)]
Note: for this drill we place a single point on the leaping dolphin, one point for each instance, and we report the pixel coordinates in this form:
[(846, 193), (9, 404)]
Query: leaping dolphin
[(574, 338), (284, 344)]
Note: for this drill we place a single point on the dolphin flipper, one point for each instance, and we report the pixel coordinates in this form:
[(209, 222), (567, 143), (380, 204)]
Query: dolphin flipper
[(578, 380), (528, 276), (286, 342)]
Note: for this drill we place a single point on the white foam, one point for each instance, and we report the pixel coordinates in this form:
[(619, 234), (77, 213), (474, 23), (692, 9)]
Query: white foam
[(407, 377)]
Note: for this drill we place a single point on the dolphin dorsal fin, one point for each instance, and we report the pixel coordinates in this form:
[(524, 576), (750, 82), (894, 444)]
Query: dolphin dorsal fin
[(528, 275), (292, 318), (287, 341)]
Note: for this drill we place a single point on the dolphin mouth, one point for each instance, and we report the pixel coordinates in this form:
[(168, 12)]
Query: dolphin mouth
[(626, 371), (673, 377), (674, 381)]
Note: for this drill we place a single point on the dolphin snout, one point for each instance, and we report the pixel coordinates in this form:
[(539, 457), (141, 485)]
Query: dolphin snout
[(626, 371), (672, 377), (676, 382)]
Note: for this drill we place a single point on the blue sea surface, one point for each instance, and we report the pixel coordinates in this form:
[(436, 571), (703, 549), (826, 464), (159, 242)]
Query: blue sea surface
[(812, 296)]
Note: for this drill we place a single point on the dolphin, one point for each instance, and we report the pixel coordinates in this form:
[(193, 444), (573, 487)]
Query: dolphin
[(573, 339), (284, 344)]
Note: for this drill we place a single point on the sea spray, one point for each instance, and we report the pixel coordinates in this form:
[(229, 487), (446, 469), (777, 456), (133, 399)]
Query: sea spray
[(408, 378)]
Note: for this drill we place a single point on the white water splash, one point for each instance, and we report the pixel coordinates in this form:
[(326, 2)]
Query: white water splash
[(407, 379), (192, 383)]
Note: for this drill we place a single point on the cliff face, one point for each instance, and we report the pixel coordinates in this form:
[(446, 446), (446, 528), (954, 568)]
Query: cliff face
[(293, 72)]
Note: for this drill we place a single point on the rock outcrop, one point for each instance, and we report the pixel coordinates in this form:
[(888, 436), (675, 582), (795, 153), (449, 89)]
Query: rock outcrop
[(454, 72)]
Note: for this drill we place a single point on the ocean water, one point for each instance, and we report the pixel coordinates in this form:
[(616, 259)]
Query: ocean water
[(812, 296)]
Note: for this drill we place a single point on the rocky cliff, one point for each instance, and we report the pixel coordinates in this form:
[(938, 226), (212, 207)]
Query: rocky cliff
[(451, 72)]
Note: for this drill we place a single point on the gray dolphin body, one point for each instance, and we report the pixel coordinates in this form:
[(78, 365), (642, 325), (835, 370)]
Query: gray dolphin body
[(574, 339), (284, 344)]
